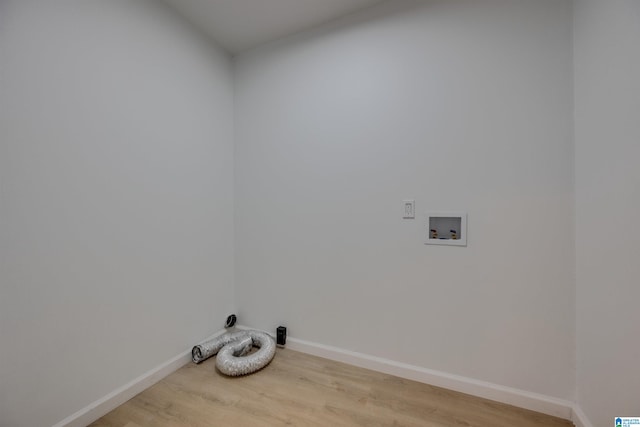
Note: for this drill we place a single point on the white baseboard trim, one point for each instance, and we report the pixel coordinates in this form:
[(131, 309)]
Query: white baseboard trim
[(520, 398), (511, 396), (579, 418), (111, 401)]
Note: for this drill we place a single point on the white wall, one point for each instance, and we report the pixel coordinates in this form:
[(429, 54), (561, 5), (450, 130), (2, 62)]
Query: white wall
[(116, 198), (607, 131), (461, 105)]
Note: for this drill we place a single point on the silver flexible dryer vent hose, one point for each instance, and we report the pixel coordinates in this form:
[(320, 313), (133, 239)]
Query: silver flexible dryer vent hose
[(232, 349)]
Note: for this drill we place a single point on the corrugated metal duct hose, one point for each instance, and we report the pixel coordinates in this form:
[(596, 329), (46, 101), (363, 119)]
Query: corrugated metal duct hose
[(232, 352)]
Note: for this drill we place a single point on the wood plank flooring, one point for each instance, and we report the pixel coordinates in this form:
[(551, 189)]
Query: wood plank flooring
[(302, 390)]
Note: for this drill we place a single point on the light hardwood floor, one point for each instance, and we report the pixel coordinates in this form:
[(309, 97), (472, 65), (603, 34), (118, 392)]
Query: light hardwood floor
[(301, 390)]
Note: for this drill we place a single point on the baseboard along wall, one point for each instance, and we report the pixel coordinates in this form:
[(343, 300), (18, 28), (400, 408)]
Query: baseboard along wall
[(524, 399), (511, 396), (117, 397), (579, 418)]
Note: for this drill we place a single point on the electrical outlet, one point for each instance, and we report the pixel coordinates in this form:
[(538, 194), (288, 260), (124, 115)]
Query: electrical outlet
[(409, 209)]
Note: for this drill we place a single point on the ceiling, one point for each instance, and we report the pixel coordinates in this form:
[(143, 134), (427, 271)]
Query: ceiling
[(239, 25)]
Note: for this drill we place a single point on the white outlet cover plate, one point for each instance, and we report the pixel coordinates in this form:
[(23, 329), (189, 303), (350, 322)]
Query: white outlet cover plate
[(408, 209)]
